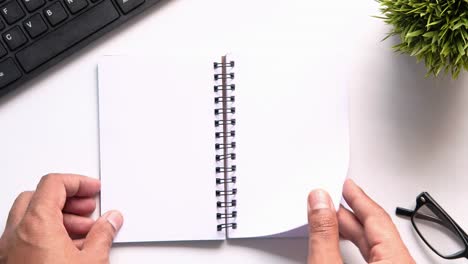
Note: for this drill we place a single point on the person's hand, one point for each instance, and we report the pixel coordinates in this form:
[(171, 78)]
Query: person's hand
[(51, 225), (370, 228)]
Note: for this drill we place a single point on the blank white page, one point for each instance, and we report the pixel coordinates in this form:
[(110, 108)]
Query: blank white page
[(292, 137), (157, 147)]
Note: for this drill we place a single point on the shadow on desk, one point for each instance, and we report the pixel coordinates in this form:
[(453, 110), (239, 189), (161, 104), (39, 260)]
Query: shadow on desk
[(422, 111), (293, 249), (394, 105), (174, 244)]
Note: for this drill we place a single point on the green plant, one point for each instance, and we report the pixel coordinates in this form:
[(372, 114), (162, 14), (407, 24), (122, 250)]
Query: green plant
[(435, 31)]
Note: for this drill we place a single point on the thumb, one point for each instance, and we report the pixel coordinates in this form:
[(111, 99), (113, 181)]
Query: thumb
[(99, 239), (323, 229)]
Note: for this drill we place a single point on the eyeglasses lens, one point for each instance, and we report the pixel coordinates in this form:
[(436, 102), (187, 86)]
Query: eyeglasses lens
[(438, 231)]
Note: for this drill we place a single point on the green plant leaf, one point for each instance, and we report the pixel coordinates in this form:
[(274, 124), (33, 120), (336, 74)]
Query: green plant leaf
[(458, 25), (415, 33), (460, 48), (445, 49), (429, 34), (434, 23), (433, 31)]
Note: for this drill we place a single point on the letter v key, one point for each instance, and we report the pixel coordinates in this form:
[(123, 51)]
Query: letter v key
[(35, 26)]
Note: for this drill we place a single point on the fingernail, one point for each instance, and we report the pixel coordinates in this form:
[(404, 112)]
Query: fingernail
[(351, 181), (319, 199), (115, 218)]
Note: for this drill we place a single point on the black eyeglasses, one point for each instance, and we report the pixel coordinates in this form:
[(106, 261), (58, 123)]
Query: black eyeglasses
[(436, 228)]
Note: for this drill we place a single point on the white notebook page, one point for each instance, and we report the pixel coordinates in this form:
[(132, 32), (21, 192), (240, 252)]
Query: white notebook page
[(157, 147), (292, 137)]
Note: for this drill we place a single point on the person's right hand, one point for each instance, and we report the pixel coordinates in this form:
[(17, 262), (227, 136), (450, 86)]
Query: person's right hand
[(51, 225), (370, 228)]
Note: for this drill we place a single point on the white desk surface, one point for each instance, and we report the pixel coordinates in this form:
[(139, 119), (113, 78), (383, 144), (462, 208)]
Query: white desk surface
[(408, 134)]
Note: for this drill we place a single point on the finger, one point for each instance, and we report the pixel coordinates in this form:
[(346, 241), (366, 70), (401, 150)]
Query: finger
[(377, 223), (77, 225), (382, 236), (351, 229), (323, 229), (3, 249), (99, 239), (53, 189), (79, 243), (80, 206), (18, 209), (363, 206)]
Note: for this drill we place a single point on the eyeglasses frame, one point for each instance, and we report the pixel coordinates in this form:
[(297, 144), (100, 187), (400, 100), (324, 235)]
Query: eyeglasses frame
[(423, 199)]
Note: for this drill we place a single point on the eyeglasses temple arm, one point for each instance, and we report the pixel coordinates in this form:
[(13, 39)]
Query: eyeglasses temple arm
[(409, 213), (404, 212)]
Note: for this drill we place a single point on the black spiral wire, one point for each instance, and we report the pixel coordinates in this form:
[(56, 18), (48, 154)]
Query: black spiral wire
[(225, 143)]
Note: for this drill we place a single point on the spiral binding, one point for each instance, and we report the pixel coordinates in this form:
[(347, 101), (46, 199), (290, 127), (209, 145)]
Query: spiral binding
[(229, 180), (229, 192), (221, 111), (224, 216), (225, 143), (231, 156)]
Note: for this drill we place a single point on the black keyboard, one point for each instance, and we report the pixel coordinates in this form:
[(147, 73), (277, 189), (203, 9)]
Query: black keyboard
[(37, 34)]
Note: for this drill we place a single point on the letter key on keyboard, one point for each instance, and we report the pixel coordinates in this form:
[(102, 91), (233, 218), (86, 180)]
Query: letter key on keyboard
[(35, 26), (32, 5), (14, 38), (55, 13), (12, 12), (76, 6)]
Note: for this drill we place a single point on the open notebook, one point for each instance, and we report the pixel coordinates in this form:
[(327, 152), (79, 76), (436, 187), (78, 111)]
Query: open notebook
[(200, 148)]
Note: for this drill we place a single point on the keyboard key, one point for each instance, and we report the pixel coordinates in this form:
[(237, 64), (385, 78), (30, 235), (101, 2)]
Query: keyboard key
[(14, 38), (9, 72), (12, 12), (35, 26), (129, 5), (55, 13), (67, 35), (32, 5), (3, 51), (76, 6)]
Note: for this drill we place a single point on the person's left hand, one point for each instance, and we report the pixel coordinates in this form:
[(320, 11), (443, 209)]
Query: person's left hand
[(51, 225)]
